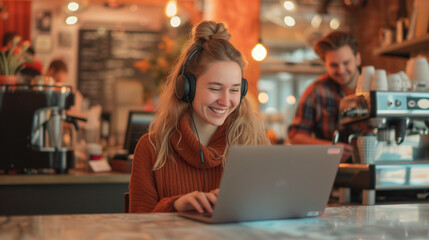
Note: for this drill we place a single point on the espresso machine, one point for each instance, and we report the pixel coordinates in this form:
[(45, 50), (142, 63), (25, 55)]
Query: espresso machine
[(31, 124), (399, 168)]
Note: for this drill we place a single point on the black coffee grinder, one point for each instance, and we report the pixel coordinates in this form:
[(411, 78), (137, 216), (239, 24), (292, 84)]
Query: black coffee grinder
[(31, 122)]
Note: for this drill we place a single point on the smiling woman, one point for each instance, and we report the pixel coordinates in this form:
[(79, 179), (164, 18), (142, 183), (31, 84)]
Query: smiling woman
[(177, 166), (217, 95)]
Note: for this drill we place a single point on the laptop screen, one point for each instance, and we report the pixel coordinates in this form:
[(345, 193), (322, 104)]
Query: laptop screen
[(138, 124)]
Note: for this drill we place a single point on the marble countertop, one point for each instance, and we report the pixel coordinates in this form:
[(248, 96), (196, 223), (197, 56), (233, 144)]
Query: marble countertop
[(402, 221), (73, 177)]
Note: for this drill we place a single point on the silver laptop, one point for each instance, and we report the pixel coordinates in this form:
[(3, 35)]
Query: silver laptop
[(274, 182)]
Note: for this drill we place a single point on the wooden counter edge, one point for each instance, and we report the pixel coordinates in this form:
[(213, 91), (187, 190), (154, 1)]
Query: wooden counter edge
[(75, 177)]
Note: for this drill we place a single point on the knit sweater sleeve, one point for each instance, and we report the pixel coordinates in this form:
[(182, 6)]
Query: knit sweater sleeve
[(144, 195)]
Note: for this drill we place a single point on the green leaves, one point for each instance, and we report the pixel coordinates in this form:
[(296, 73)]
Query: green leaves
[(14, 60)]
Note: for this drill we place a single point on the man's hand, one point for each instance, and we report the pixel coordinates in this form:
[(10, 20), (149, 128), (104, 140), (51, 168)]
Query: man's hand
[(347, 151)]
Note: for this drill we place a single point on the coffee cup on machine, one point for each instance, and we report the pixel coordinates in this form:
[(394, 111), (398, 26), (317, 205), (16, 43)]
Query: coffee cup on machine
[(394, 82), (379, 81), (364, 81), (406, 83), (421, 74), (366, 146)]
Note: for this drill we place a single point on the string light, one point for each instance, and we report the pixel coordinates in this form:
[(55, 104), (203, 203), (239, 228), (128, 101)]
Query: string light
[(289, 21), (316, 21), (289, 5), (263, 97), (259, 52), (73, 6), (291, 100), (175, 21), (171, 9), (70, 20), (334, 23)]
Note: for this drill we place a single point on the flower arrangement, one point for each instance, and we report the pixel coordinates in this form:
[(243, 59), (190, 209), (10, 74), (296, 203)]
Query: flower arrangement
[(160, 63), (12, 61)]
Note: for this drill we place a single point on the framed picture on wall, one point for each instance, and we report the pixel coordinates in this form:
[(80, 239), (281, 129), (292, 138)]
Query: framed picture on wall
[(64, 39), (43, 19), (43, 43)]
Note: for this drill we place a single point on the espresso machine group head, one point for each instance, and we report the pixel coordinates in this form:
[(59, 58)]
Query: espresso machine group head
[(385, 112), (31, 121)]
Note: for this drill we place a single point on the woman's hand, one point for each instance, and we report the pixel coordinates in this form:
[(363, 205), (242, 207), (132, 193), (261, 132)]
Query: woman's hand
[(199, 201)]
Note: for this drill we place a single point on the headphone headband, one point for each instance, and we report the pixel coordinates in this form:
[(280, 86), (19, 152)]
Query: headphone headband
[(190, 57), (186, 82)]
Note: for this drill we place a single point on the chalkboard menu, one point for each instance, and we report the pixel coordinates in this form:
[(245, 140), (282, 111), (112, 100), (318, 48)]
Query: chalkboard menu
[(106, 56)]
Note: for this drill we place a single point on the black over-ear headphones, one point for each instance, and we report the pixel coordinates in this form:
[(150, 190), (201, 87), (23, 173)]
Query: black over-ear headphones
[(186, 82)]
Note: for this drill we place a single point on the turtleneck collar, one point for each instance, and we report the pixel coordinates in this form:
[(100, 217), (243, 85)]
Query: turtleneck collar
[(186, 145)]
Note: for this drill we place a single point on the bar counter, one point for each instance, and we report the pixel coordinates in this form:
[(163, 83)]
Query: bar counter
[(402, 221), (75, 192), (73, 177)]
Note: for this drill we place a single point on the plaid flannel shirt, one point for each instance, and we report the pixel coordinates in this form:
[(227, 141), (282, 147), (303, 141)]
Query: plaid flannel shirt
[(317, 112)]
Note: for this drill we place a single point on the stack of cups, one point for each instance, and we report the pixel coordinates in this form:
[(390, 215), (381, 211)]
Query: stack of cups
[(379, 81), (364, 81)]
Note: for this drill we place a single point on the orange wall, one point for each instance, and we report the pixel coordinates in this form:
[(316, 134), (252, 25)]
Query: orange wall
[(17, 19), (242, 18)]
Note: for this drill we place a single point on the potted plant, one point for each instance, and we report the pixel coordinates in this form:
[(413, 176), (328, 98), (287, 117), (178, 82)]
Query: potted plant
[(12, 61)]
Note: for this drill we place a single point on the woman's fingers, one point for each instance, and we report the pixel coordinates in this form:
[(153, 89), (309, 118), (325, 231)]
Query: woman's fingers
[(187, 202), (204, 201), (215, 191), (195, 204), (212, 198), (196, 200)]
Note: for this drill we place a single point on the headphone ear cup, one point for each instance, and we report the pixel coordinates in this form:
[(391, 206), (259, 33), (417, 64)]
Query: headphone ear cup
[(191, 81), (244, 87), (182, 87)]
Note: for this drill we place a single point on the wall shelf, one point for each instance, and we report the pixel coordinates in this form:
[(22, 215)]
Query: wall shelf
[(405, 49), (278, 66)]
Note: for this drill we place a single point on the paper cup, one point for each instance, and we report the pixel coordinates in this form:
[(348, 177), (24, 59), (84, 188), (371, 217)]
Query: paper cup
[(379, 81), (364, 81)]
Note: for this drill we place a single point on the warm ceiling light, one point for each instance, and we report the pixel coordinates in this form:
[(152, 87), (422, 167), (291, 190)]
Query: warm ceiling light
[(175, 21), (259, 52), (316, 21), (334, 23), (291, 100), (70, 20), (263, 97), (73, 6), (171, 9), (289, 5), (289, 21)]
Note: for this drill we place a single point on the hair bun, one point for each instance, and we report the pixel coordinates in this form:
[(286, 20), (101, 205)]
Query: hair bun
[(208, 30)]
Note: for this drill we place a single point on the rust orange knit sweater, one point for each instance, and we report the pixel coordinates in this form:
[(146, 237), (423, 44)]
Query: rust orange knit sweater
[(155, 191)]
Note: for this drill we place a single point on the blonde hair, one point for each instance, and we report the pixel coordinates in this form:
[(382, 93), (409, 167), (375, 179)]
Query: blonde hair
[(213, 37)]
